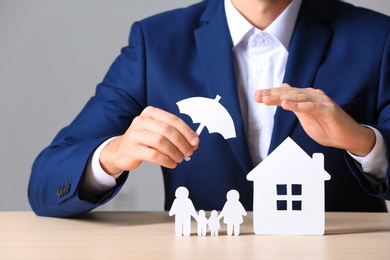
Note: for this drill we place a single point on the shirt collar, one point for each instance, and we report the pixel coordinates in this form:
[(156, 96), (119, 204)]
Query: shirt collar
[(282, 28)]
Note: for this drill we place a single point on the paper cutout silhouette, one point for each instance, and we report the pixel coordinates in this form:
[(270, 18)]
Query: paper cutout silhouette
[(183, 209), (289, 192), (202, 223), (213, 223), (209, 113), (232, 213)]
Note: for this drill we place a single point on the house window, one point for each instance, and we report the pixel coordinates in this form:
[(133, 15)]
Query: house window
[(281, 204), (296, 189), (289, 195), (281, 189), (297, 205)]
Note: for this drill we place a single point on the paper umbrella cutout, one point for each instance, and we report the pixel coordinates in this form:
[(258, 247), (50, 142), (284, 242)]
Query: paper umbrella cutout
[(209, 113)]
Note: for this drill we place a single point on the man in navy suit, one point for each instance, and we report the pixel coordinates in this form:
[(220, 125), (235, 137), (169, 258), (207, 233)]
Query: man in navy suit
[(315, 70)]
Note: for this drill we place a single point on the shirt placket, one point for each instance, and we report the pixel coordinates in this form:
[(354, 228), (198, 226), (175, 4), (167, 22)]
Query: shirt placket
[(261, 72)]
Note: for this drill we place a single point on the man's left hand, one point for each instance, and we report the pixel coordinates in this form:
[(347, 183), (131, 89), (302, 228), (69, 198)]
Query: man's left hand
[(321, 118)]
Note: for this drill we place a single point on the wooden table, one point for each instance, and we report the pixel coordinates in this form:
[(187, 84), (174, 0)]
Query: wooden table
[(150, 235)]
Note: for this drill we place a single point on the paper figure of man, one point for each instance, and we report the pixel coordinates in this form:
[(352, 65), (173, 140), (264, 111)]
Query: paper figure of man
[(183, 209), (232, 213)]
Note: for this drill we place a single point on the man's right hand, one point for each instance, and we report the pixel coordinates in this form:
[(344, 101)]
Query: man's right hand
[(155, 136)]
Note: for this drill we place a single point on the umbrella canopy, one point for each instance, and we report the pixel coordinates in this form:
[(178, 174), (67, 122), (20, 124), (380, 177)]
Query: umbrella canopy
[(209, 113)]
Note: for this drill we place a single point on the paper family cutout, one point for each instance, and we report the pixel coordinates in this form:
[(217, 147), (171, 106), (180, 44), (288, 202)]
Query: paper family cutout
[(183, 209), (289, 190)]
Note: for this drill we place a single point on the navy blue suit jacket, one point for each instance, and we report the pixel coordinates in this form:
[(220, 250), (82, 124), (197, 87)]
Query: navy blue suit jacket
[(343, 50)]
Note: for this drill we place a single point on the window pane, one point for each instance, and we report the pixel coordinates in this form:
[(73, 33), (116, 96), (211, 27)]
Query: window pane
[(281, 189), (281, 205), (297, 205), (296, 189)]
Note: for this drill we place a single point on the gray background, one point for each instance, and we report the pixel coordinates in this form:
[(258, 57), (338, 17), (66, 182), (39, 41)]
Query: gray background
[(52, 55)]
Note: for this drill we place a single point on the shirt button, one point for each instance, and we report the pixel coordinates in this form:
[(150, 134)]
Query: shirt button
[(259, 72), (256, 41), (258, 126), (260, 41)]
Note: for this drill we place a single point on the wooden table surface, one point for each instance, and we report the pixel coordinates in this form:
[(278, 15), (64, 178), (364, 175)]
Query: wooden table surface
[(150, 235)]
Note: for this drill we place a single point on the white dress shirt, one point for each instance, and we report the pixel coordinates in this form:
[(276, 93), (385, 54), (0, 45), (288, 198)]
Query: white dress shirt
[(260, 60)]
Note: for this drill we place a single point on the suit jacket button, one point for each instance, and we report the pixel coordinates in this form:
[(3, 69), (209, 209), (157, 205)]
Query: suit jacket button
[(60, 192), (67, 188)]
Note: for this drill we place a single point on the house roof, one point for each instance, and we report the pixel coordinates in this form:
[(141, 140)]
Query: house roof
[(290, 157)]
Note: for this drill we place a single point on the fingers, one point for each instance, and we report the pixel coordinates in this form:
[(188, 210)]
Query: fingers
[(172, 136), (156, 136), (170, 122), (152, 147), (161, 137), (321, 118), (300, 100)]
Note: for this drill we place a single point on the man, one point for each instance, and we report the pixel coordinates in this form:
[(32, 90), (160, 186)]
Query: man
[(333, 59)]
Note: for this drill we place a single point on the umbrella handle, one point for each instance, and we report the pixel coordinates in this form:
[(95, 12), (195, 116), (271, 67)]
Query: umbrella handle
[(200, 128), (198, 131)]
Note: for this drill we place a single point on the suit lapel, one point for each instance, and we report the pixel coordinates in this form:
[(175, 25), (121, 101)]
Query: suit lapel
[(215, 51), (308, 46)]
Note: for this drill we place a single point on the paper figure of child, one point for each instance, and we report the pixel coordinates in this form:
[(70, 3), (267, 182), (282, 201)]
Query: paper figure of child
[(202, 223), (232, 213), (213, 223), (183, 209)]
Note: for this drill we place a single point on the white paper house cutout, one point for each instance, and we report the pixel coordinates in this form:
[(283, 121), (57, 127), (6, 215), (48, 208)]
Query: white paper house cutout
[(289, 192)]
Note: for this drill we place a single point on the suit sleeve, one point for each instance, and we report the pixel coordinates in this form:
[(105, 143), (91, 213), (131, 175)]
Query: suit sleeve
[(58, 171), (373, 185)]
